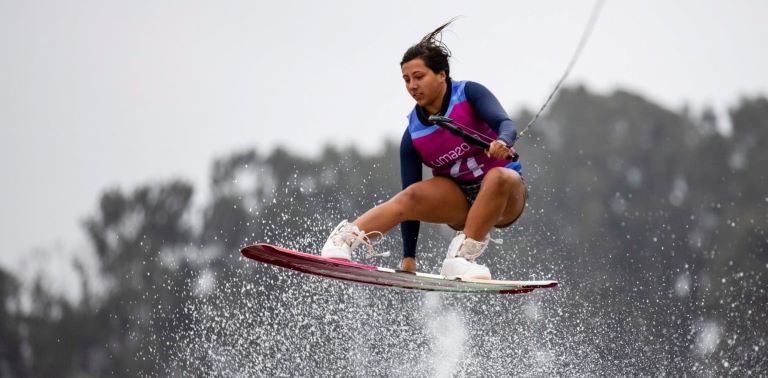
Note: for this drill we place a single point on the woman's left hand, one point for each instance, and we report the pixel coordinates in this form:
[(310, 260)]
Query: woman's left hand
[(409, 264), (499, 150)]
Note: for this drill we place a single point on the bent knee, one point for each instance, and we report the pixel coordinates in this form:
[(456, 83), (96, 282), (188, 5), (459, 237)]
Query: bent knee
[(408, 199), (408, 196), (502, 179)]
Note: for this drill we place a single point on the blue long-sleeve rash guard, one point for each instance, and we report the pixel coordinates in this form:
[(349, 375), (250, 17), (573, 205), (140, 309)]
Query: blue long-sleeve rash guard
[(489, 110)]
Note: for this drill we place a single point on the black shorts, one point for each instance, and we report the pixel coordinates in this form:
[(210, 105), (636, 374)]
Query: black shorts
[(470, 190)]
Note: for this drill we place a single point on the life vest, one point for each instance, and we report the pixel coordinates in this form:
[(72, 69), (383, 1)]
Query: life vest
[(449, 155)]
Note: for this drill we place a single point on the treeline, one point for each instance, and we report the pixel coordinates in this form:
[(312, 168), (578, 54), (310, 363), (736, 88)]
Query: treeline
[(652, 220)]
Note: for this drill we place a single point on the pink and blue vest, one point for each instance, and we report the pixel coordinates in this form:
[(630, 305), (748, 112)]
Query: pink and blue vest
[(449, 155)]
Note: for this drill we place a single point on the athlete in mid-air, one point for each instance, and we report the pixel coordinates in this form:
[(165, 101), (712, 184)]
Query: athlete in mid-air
[(472, 190)]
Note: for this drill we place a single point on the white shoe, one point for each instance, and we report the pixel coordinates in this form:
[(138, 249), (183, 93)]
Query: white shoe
[(460, 259), (344, 239)]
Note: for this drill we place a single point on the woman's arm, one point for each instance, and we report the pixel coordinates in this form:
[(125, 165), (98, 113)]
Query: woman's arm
[(490, 110), (410, 173)]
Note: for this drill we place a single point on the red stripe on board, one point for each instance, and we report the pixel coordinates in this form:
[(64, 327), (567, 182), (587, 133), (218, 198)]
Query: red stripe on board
[(371, 275)]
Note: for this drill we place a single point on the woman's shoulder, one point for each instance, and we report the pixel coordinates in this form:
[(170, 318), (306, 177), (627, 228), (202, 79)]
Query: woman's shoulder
[(475, 91), (474, 86), (470, 88)]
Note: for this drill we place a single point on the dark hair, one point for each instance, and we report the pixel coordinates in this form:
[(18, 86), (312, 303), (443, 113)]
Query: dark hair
[(432, 51)]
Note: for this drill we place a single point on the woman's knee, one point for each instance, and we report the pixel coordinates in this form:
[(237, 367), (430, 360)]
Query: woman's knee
[(407, 196), (502, 180), (407, 199)]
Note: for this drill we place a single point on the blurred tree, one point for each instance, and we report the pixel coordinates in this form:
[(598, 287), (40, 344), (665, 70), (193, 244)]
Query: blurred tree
[(12, 362), (640, 208), (141, 240)]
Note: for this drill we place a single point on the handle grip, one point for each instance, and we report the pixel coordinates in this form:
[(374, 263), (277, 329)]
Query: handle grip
[(451, 126)]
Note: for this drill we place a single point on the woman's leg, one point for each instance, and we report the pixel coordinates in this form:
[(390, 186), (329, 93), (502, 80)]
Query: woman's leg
[(435, 200), (500, 201)]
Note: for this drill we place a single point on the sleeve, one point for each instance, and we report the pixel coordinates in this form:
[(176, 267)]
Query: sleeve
[(490, 110), (410, 172)]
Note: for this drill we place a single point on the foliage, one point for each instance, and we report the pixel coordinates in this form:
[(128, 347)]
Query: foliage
[(633, 206)]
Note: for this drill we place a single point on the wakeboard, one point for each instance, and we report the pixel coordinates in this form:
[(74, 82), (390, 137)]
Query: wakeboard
[(351, 271)]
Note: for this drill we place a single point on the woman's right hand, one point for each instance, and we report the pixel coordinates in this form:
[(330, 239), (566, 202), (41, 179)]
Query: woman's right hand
[(499, 150)]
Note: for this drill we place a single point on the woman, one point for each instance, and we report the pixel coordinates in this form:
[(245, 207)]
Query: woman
[(471, 190)]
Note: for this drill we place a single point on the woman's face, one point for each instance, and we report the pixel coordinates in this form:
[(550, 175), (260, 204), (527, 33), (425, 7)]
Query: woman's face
[(425, 86)]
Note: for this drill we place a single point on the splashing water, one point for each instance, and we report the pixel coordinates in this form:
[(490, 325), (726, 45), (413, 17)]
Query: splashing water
[(250, 319), (446, 334), (264, 321)]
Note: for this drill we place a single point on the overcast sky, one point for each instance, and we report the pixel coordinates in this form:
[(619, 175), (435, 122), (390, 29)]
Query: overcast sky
[(100, 94)]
